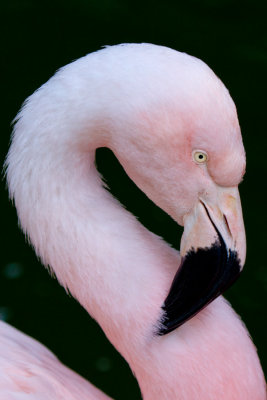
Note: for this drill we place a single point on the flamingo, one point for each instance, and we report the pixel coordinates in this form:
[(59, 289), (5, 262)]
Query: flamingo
[(173, 126)]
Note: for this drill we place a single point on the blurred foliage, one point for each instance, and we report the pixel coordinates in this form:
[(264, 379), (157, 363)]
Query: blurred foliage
[(40, 37)]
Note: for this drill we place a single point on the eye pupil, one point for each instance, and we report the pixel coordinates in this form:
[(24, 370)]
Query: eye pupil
[(200, 156)]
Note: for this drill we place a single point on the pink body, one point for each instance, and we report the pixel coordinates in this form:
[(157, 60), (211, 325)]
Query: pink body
[(152, 106)]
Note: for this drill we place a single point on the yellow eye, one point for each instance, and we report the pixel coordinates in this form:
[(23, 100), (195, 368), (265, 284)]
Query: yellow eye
[(200, 157)]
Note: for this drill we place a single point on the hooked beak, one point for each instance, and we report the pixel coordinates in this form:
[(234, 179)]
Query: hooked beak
[(213, 248)]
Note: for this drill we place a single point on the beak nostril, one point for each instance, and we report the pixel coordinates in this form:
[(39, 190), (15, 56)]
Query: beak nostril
[(224, 219), (227, 225)]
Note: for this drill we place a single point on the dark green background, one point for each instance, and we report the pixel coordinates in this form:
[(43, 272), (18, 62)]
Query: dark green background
[(37, 38)]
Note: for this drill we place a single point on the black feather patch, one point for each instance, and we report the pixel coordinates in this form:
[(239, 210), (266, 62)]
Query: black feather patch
[(204, 274)]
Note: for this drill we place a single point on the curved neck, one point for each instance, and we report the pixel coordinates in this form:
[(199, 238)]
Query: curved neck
[(117, 270), (112, 265)]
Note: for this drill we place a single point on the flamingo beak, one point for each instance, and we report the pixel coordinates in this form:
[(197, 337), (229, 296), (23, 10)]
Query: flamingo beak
[(213, 248)]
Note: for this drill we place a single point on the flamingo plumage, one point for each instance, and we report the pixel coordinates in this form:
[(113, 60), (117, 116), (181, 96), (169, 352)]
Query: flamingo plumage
[(173, 126)]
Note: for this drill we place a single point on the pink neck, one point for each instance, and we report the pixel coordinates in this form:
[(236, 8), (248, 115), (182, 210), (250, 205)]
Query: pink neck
[(117, 270)]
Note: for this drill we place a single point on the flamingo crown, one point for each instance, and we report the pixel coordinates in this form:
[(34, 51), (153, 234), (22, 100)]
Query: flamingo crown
[(173, 126)]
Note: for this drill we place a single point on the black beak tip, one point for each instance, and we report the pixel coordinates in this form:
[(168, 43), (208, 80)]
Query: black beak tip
[(203, 275)]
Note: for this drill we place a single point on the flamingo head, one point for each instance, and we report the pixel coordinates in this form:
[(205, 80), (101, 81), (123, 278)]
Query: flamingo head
[(184, 149)]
